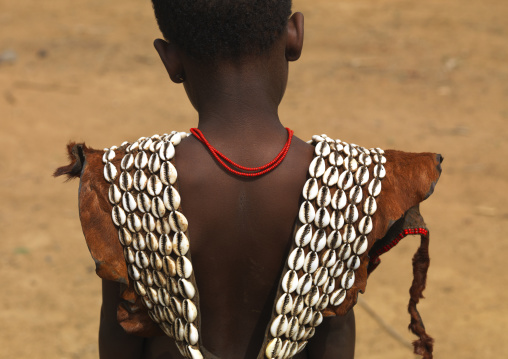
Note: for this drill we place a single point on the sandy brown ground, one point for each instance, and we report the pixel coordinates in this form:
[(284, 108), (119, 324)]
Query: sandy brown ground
[(412, 75)]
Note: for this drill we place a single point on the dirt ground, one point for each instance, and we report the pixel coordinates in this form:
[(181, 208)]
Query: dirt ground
[(412, 75)]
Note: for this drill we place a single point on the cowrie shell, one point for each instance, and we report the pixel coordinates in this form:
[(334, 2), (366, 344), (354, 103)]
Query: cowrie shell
[(318, 241), (133, 272), (108, 155), (110, 172), (337, 220), (317, 167), (310, 189), (362, 176), (142, 260), (118, 216), (176, 306), (331, 176), (365, 225), (176, 138), (296, 259), (334, 240), (348, 279), (320, 276), (165, 246), (167, 151), (186, 288), (162, 226), (154, 185), (279, 326), (304, 284), (145, 144), (307, 212), (311, 262), (179, 329), (290, 281), (360, 245), (284, 304), (125, 237), (114, 194), (336, 158), (375, 187), (148, 223), (379, 158), (168, 173), (299, 303), (127, 162), (322, 149), (178, 222), (312, 297), (337, 297), (370, 206), (180, 243), (365, 159), (273, 348), (305, 316), (292, 329), (323, 197), (155, 261), (329, 285), (164, 298), (317, 319), (169, 266), (339, 199), (350, 164), (353, 262), (133, 222), (141, 160), (303, 235), (322, 218), (194, 353), (138, 241), (351, 214), (323, 302), (158, 207), (130, 256), (139, 288), (191, 334), (344, 251), (189, 311), (379, 171), (129, 202), (328, 258), (160, 280), (356, 194), (183, 267), (345, 180), (154, 163), (171, 198), (349, 234), (140, 180)]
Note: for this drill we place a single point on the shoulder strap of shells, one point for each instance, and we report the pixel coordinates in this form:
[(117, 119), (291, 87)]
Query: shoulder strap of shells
[(335, 218), (152, 230)]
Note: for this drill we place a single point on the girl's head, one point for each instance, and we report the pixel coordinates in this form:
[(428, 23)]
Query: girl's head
[(211, 30)]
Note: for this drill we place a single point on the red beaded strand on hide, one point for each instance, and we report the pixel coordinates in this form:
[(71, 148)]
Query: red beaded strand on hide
[(250, 171)]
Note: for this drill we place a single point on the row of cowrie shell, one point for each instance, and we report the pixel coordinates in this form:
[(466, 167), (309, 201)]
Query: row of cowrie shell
[(163, 282), (329, 257)]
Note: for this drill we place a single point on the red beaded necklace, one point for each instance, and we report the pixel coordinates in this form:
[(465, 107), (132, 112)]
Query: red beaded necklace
[(249, 171)]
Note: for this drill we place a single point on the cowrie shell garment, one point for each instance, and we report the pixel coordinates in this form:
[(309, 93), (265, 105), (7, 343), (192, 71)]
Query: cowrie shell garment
[(334, 220)]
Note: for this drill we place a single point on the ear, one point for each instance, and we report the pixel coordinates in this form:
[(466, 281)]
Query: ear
[(294, 43), (171, 59)]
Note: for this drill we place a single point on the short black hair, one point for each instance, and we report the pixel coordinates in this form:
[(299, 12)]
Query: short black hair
[(222, 29)]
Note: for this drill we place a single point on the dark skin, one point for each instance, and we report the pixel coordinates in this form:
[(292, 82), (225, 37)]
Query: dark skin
[(240, 229)]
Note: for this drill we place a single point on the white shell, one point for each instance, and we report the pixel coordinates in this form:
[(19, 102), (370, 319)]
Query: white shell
[(349, 234), (311, 262), (140, 180), (118, 216), (158, 207), (176, 138), (178, 222), (114, 194), (317, 138), (110, 172), (337, 220), (130, 256), (317, 167), (167, 151), (323, 302), (356, 194), (284, 304), (189, 311), (125, 181), (322, 149), (353, 262), (331, 176), (348, 279), (365, 225), (370, 206), (334, 240), (345, 180), (179, 330), (141, 160), (375, 187), (344, 251), (144, 202), (379, 171), (362, 176), (138, 241), (140, 288), (351, 214), (296, 259), (186, 288), (379, 158), (142, 260), (328, 258), (171, 198), (183, 267), (154, 163), (148, 223), (310, 189), (125, 237), (322, 218), (168, 173), (279, 326), (176, 306), (337, 269), (160, 279), (303, 235), (133, 272), (133, 146), (155, 261), (339, 199), (162, 226), (299, 303), (323, 197), (133, 222), (108, 155), (191, 334), (163, 296), (307, 212), (145, 144), (180, 243), (317, 319), (273, 348), (305, 316), (365, 159), (169, 266), (129, 202), (318, 241), (165, 245), (337, 297), (290, 281), (154, 185), (350, 164), (194, 353), (304, 284), (312, 297), (361, 244), (329, 285)]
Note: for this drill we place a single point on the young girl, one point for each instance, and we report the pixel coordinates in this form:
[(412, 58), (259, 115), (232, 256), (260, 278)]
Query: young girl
[(282, 233)]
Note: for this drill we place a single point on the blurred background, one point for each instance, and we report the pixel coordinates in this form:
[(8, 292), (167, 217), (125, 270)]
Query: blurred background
[(412, 75)]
